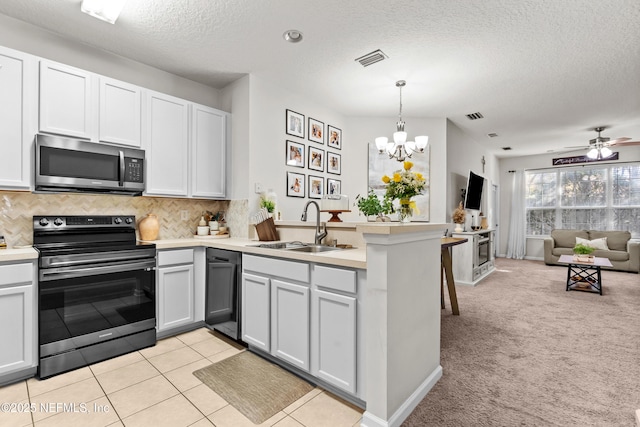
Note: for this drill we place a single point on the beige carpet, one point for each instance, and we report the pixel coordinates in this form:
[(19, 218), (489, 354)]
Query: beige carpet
[(525, 352), (255, 387)]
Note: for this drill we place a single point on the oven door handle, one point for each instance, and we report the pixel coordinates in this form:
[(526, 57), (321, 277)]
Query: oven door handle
[(73, 272), (69, 260)]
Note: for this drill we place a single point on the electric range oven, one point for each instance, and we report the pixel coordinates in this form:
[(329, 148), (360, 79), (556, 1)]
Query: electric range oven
[(96, 290)]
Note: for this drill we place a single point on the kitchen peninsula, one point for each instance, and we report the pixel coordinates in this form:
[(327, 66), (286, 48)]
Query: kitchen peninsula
[(398, 309)]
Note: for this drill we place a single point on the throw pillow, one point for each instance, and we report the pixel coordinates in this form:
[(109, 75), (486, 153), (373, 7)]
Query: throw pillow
[(595, 243)]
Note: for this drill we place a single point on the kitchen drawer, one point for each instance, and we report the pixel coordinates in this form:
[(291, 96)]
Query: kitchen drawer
[(276, 267), (173, 257), (12, 274), (335, 278)]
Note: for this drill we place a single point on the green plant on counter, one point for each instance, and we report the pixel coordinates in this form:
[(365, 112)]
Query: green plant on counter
[(267, 204), (371, 205), (582, 249)]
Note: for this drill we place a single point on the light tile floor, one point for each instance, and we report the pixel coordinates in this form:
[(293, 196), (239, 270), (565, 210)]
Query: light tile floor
[(155, 387)]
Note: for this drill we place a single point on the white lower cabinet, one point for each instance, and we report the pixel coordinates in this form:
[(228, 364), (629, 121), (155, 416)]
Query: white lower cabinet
[(290, 323), (256, 311), (175, 289), (333, 326), (334, 333), (17, 318), (304, 314)]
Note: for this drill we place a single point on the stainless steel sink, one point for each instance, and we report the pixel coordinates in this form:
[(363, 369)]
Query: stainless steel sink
[(280, 245), (298, 247), (314, 248)]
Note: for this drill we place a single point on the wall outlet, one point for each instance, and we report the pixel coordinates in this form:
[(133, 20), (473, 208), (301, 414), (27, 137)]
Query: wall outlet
[(184, 215), (259, 188)]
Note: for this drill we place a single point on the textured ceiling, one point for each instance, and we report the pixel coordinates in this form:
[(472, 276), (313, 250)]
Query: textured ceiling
[(543, 73)]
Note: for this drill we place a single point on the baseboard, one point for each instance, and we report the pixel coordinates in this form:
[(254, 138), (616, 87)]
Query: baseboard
[(370, 420), (14, 377), (179, 330)]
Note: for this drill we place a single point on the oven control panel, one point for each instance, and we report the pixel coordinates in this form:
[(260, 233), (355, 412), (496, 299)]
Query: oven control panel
[(82, 221)]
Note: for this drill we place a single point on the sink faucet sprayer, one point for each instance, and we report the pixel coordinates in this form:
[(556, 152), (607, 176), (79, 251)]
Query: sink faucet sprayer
[(321, 232)]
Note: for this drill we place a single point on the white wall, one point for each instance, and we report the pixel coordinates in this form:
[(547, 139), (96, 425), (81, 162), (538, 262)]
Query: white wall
[(259, 140), (28, 38), (364, 130), (265, 164), (235, 98), (534, 247), (465, 154)]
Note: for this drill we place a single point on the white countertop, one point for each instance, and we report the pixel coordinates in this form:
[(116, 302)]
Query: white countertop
[(18, 254), (354, 258)]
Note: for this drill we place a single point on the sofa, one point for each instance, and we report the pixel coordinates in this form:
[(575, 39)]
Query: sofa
[(623, 253)]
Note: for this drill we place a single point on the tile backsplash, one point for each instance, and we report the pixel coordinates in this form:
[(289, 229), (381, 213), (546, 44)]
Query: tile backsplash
[(18, 208)]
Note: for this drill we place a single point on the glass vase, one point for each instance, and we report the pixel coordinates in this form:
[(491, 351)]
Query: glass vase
[(405, 211)]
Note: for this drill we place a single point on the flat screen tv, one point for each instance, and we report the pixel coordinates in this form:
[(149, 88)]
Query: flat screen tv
[(473, 197)]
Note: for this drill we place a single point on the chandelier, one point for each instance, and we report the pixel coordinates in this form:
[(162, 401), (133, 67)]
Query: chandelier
[(400, 148)]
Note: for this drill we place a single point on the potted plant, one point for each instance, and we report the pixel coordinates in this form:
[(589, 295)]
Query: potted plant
[(268, 204), (582, 253), (372, 207)]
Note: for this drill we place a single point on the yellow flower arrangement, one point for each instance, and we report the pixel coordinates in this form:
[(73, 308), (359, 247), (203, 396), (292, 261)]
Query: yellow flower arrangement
[(404, 184)]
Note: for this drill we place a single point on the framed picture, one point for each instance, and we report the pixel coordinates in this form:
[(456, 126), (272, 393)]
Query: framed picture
[(316, 131), (333, 163), (316, 159), (295, 184), (295, 154), (335, 137), (295, 124), (334, 186), (316, 187)]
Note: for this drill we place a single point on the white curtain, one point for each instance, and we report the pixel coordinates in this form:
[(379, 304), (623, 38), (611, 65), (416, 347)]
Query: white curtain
[(516, 243)]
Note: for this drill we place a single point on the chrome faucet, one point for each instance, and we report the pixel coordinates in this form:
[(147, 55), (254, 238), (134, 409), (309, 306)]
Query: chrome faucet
[(321, 229)]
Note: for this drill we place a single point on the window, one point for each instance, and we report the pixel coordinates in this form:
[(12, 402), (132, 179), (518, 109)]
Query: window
[(592, 197)]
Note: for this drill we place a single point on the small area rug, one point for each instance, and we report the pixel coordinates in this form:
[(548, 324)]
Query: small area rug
[(257, 388)]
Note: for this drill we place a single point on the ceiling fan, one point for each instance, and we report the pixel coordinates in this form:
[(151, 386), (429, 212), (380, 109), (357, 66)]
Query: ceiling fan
[(599, 146)]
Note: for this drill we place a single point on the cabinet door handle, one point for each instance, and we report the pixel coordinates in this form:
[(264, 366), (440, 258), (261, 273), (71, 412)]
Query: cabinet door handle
[(121, 180)]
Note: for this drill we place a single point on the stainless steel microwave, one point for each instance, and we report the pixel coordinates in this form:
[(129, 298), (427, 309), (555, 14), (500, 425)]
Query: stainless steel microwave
[(71, 165)]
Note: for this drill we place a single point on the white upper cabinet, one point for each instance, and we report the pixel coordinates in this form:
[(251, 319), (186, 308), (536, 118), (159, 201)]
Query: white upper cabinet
[(166, 142), (120, 112), (67, 101), (208, 152), (18, 117)]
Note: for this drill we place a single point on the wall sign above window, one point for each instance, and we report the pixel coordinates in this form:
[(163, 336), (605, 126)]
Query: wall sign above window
[(561, 161)]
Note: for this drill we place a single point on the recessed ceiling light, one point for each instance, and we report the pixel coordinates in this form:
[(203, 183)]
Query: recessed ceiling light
[(292, 36)]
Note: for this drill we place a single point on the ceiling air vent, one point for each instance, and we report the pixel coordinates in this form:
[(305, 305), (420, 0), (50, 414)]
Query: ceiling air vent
[(506, 148), (475, 116), (372, 58), (492, 135)]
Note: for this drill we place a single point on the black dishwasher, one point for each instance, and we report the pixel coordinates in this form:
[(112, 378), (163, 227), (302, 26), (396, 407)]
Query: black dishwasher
[(223, 291)]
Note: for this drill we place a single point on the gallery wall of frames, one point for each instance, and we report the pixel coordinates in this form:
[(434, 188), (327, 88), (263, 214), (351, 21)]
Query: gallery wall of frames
[(312, 157)]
